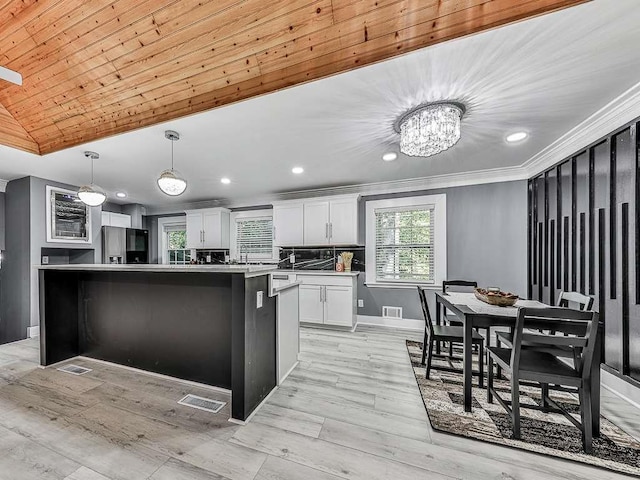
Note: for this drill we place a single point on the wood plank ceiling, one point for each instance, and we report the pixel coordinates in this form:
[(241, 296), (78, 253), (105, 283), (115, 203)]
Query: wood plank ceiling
[(96, 68)]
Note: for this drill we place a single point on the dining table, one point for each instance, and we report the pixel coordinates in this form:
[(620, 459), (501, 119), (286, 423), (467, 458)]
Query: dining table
[(474, 313)]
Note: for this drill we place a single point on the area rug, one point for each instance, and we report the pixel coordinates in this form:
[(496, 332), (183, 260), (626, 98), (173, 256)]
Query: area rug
[(544, 433)]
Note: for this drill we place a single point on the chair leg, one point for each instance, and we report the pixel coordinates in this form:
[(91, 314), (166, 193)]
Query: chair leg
[(545, 395), (481, 365), (489, 379), (450, 350), (586, 417), (498, 368), (429, 357), (424, 347), (515, 406)]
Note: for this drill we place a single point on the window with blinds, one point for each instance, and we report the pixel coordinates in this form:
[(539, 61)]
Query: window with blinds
[(404, 239), (254, 237)]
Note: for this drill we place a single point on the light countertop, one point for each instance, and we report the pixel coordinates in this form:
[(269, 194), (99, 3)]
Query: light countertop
[(248, 270), (318, 272)]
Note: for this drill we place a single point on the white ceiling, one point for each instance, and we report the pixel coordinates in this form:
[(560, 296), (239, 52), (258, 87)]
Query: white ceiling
[(544, 75)]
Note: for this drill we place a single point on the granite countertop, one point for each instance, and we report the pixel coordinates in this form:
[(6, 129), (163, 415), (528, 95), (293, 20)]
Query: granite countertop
[(248, 270)]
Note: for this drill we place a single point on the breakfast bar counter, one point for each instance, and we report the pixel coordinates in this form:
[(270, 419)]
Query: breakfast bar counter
[(214, 325)]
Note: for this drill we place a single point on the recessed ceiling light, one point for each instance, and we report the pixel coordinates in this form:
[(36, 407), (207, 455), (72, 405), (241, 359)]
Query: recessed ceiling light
[(389, 156), (297, 170), (225, 180), (517, 137), (121, 195)]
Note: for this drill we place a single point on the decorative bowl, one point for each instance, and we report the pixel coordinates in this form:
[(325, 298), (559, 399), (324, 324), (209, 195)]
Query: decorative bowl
[(499, 298)]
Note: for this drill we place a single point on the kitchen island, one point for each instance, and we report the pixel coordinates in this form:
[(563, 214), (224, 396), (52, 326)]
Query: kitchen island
[(214, 325)]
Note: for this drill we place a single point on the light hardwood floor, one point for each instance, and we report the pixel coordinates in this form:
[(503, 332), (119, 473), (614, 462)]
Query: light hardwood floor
[(350, 410)]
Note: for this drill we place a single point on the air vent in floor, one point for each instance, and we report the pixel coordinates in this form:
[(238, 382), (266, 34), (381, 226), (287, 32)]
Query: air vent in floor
[(74, 369), (202, 403)]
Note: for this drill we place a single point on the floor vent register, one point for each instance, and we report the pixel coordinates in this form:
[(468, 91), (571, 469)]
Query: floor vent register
[(74, 369), (202, 403)]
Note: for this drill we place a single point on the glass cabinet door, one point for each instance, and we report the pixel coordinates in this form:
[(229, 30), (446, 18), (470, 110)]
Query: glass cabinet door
[(69, 218)]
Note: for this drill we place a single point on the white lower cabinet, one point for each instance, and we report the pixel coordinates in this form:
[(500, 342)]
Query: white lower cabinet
[(311, 303), (328, 299)]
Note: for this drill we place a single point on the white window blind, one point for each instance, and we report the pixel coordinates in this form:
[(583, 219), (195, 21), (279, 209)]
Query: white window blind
[(405, 250), (254, 237)]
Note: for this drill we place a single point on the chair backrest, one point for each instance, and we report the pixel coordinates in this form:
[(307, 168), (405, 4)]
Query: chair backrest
[(425, 310), (583, 323), (465, 284), (571, 299)]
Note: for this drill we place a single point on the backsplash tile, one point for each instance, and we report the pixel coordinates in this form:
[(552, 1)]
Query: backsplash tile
[(323, 258)]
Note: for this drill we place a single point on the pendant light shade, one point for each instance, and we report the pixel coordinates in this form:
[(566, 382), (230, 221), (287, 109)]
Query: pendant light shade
[(170, 181), (92, 194)]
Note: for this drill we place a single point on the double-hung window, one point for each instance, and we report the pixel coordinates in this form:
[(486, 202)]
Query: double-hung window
[(252, 236), (406, 241)]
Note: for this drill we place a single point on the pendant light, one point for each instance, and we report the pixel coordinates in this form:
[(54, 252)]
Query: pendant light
[(92, 195), (171, 181)]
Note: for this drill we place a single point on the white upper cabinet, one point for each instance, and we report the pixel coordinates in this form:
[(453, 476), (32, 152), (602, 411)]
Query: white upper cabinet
[(288, 224), (112, 219), (317, 221), (343, 223), (208, 228)]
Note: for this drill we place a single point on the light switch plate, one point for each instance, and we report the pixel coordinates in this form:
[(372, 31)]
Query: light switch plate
[(259, 296), (360, 303), (45, 260), (292, 258)]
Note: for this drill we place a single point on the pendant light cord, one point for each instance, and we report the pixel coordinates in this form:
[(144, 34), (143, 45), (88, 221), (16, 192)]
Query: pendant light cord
[(172, 140), (91, 170)]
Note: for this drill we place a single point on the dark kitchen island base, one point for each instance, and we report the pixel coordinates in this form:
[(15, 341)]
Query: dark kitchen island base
[(194, 323)]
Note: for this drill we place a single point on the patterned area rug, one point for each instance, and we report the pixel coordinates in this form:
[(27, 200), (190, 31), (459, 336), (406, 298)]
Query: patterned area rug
[(546, 433)]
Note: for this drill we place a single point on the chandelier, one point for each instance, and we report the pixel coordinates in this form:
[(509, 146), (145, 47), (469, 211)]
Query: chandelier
[(429, 129), (170, 181)]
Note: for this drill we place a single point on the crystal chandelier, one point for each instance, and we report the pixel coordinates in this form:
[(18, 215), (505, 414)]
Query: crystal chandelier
[(171, 181), (429, 129), (92, 195)]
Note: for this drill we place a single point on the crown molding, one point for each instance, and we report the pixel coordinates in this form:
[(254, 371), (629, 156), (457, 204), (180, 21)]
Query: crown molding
[(3, 185), (451, 180), (620, 111)]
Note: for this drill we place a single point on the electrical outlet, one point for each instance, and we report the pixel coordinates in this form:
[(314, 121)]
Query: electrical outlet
[(292, 258), (259, 297), (45, 260), (360, 303)]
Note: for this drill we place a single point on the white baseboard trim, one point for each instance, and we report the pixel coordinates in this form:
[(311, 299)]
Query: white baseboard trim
[(288, 372), (620, 388), (33, 332), (154, 374), (403, 324), (255, 410)]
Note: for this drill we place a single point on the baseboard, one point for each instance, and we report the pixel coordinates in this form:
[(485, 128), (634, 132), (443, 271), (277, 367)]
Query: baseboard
[(255, 410), (400, 323), (622, 389), (154, 374), (33, 331), (288, 372)]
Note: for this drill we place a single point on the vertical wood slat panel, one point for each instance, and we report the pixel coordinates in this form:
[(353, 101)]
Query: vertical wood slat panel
[(540, 296), (565, 253), (583, 253), (546, 230), (529, 237), (574, 227), (612, 217), (624, 284), (558, 246), (592, 237)]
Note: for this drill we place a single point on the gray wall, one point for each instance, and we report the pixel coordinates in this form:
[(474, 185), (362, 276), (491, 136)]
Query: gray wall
[(150, 222), (486, 242), (15, 279), (39, 234)]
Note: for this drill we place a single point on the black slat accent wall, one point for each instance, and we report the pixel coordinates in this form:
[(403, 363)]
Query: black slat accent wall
[(584, 235)]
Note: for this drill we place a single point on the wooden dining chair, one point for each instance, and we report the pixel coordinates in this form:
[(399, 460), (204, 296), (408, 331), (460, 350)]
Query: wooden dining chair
[(450, 317), (446, 333), (542, 367)]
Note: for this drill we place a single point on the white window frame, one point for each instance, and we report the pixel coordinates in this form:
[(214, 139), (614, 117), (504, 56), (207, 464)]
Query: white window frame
[(233, 243), (49, 213), (439, 203), (163, 248)]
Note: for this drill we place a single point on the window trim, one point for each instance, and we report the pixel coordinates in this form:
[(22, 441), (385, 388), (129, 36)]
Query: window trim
[(233, 240), (439, 202), (162, 238)]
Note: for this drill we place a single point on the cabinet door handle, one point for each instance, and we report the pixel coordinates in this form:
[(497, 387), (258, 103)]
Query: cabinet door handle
[(321, 300), (202, 236), (326, 230), (331, 230)]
